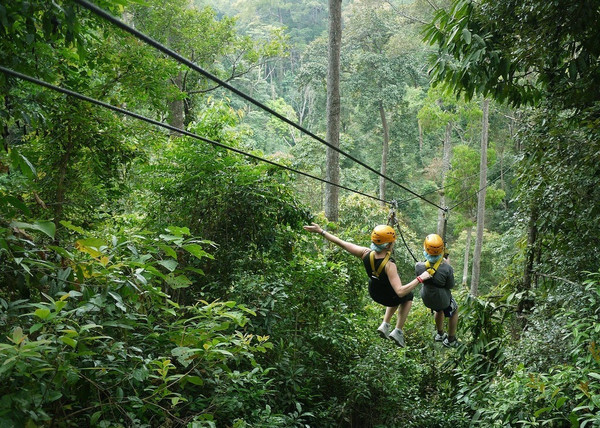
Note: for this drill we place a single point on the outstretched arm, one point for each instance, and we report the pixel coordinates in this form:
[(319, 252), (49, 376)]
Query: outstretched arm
[(355, 250), (402, 290)]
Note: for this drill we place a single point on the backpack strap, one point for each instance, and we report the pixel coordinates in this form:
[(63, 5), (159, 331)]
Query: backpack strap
[(375, 274)]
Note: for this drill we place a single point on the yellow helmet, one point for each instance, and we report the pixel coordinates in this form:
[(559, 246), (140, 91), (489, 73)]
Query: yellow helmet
[(434, 244), (383, 234)]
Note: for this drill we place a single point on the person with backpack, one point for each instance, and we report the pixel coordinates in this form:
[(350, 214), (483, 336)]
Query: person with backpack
[(436, 292), (385, 286)]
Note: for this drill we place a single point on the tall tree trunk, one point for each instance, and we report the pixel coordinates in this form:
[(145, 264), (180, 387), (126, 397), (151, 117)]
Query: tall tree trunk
[(176, 107), (333, 110), (481, 200), (531, 248), (64, 162), (384, 152), (445, 168), (420, 138), (467, 252)]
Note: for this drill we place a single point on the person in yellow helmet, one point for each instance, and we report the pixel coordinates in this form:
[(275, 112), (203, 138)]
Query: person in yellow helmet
[(385, 286), (436, 292)]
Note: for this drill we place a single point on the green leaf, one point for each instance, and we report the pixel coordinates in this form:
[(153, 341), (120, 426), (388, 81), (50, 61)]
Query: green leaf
[(180, 281), (91, 246), (178, 231), (196, 380), (466, 35), (47, 227), (17, 204), (61, 252), (92, 242), (95, 417), (171, 238), (540, 411), (69, 341), (169, 264), (59, 305), (35, 327), (594, 375), (196, 250), (42, 313), (119, 301), (72, 227), (168, 250)]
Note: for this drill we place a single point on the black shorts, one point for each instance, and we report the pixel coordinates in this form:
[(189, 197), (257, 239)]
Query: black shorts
[(451, 310), (386, 296)]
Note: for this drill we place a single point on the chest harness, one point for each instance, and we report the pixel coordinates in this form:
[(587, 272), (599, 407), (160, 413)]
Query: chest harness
[(375, 273), (433, 270)]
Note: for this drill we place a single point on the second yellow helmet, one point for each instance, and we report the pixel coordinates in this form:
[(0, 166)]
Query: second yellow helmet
[(433, 244)]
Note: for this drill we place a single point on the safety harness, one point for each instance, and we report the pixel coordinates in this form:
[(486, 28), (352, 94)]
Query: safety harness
[(433, 270), (376, 273)]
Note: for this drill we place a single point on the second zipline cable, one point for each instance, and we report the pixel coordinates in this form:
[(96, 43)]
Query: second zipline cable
[(172, 128), (181, 59)]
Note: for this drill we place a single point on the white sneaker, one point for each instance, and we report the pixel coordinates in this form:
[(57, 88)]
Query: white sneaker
[(440, 337), (448, 344), (384, 330), (398, 336)]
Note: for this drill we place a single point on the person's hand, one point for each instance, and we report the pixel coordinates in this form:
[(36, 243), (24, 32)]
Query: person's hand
[(314, 228), (424, 276)]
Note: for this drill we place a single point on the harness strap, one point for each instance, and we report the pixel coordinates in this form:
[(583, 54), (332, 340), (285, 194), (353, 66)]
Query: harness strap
[(433, 270), (381, 266)]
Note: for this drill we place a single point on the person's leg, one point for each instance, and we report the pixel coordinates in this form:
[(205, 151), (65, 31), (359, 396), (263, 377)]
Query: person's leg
[(384, 328), (397, 334), (452, 324), (439, 322), (389, 313), (403, 311), (452, 315)]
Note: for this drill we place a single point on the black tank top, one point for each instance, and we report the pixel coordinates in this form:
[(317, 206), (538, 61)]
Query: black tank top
[(380, 289)]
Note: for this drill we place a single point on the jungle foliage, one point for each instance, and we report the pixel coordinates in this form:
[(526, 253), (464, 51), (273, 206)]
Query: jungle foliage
[(152, 279)]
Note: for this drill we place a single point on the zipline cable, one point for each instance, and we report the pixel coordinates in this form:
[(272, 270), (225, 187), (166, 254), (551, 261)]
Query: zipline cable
[(172, 128), (155, 44), (393, 221), (454, 183)]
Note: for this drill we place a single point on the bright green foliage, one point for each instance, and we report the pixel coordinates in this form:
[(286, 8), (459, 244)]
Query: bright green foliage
[(514, 51), (568, 222), (107, 345), (270, 134), (439, 108), (209, 41), (501, 382), (244, 207), (463, 181)]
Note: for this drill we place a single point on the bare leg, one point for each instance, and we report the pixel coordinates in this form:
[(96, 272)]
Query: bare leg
[(402, 314), (452, 324), (389, 313), (439, 321)]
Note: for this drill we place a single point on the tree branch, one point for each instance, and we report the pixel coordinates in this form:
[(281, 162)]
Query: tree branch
[(556, 277), (410, 18)]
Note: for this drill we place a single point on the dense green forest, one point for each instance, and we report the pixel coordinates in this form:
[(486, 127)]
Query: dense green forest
[(154, 271)]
